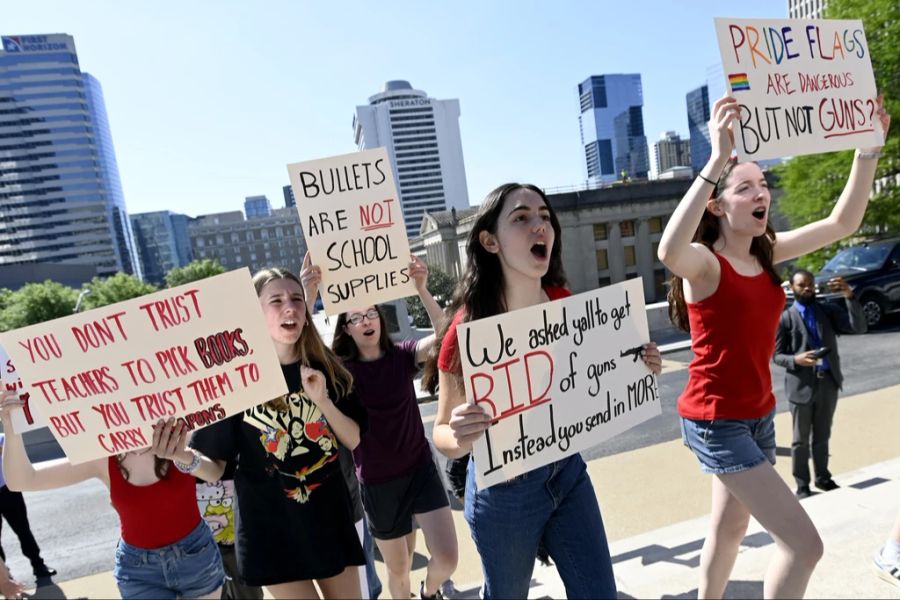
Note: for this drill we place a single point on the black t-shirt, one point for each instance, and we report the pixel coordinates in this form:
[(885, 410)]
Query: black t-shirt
[(293, 505)]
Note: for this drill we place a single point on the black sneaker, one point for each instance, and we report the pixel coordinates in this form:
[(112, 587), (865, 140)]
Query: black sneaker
[(44, 571), (437, 595), (803, 492), (827, 485)]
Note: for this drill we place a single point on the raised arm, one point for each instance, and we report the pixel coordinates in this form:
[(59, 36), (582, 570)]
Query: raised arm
[(21, 475), (688, 260), (418, 270), (848, 212), (310, 278)]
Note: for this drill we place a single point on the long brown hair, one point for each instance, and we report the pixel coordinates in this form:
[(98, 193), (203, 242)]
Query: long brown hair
[(479, 292), (343, 345), (310, 347), (708, 231), (160, 467)]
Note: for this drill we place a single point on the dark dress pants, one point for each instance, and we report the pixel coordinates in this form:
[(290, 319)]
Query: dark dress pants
[(812, 429)]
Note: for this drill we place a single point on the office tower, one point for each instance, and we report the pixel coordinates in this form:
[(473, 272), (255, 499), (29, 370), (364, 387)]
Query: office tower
[(697, 102), (422, 138), (257, 206), (806, 9), (60, 192), (612, 127), (670, 151), (162, 242), (289, 200)]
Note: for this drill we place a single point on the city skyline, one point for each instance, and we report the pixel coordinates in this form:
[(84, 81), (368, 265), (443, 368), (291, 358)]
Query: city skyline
[(246, 91)]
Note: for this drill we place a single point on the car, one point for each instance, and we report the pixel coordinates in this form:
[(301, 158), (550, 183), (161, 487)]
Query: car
[(872, 270)]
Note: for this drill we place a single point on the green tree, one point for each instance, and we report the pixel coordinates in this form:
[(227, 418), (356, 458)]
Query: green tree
[(36, 303), (441, 286), (117, 288), (199, 269), (813, 183)]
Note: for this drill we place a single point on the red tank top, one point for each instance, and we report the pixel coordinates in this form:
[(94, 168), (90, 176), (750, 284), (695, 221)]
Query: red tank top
[(733, 339), (154, 515)]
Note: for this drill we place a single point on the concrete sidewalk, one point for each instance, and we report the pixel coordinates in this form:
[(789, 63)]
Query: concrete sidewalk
[(655, 501)]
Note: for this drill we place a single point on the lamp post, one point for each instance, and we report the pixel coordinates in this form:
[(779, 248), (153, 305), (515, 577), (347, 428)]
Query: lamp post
[(81, 296)]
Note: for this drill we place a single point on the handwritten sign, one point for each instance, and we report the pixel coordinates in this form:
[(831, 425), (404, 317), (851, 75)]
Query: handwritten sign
[(354, 228), (102, 378), (29, 418), (558, 378), (803, 86)]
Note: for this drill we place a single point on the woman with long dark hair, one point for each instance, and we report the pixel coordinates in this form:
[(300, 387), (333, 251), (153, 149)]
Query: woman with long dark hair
[(514, 260), (726, 292)]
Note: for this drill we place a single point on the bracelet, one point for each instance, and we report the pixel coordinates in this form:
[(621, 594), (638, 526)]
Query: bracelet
[(861, 154), (709, 181), (188, 468)]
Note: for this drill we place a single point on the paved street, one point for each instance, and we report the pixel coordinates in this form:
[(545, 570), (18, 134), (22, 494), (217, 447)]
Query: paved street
[(77, 529)]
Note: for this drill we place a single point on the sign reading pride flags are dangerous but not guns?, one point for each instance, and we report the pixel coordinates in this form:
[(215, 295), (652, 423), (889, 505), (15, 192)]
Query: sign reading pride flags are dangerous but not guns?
[(557, 378), (804, 87), (354, 228), (100, 379)]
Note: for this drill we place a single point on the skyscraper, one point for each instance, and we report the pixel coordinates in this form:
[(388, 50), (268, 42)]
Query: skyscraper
[(257, 206), (670, 151), (806, 9), (162, 242), (697, 102), (422, 138), (289, 200), (60, 191), (612, 127)]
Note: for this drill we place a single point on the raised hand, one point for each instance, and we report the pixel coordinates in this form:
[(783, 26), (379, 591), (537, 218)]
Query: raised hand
[(418, 271), (721, 128), (170, 441), (468, 422), (884, 118), (314, 385), (310, 279)]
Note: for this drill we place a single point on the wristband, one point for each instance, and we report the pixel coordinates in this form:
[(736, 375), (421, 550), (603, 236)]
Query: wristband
[(869, 155), (188, 468), (709, 181)]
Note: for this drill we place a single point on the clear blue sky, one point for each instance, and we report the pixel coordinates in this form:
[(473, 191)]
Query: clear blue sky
[(209, 100)]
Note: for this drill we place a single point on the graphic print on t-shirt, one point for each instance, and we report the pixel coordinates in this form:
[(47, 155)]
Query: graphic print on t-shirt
[(298, 442), (215, 501)]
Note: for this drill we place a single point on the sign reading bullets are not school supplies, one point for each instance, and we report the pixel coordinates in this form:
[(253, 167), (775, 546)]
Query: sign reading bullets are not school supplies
[(102, 378), (354, 228), (804, 87), (557, 378)]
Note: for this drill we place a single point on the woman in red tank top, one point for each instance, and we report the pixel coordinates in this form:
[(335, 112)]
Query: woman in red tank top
[(726, 292), (171, 556)]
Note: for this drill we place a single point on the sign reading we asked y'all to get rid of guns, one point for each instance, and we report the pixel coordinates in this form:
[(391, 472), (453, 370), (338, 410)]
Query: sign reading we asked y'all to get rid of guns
[(557, 378), (101, 379), (354, 228), (803, 87)]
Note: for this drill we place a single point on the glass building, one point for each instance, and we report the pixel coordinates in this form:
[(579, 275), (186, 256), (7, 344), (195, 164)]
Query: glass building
[(60, 192), (612, 127), (697, 102), (256, 207), (162, 241)]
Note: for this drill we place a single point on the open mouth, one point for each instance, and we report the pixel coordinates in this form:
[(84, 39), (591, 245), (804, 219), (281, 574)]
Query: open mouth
[(369, 332), (289, 325), (539, 250), (760, 213)]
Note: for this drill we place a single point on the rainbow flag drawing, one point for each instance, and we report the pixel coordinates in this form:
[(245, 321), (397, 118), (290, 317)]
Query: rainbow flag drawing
[(738, 82)]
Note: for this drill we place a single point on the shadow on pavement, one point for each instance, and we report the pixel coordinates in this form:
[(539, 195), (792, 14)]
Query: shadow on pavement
[(655, 553), (735, 589), (47, 590)]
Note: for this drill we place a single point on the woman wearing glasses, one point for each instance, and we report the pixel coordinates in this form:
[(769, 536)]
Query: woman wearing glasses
[(393, 459)]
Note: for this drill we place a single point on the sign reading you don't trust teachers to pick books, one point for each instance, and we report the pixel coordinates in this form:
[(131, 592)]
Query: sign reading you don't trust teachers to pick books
[(354, 228)]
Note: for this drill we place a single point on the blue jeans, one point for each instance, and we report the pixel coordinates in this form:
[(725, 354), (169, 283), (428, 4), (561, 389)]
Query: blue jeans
[(371, 574), (555, 503), (189, 568)]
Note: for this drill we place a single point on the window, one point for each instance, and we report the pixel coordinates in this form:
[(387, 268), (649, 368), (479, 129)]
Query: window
[(655, 247), (599, 231), (660, 284), (604, 281), (629, 256), (602, 262), (626, 228), (655, 225)]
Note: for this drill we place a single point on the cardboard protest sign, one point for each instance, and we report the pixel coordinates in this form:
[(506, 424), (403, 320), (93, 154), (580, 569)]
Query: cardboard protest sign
[(199, 352), (30, 417), (354, 228), (804, 86), (558, 378)]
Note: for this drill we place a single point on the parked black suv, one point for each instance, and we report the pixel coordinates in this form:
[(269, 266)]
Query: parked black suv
[(872, 270)]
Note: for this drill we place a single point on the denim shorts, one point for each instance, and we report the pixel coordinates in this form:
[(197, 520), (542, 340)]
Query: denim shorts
[(730, 445), (189, 568)]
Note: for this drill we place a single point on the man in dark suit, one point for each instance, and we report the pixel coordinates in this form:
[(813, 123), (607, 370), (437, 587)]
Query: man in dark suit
[(812, 383)]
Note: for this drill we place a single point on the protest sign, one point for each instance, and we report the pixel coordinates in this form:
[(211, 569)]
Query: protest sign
[(199, 352), (803, 86), (557, 378), (29, 417), (354, 228)]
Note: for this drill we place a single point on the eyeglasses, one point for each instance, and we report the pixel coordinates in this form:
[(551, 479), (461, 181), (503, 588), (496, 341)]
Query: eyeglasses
[(356, 318)]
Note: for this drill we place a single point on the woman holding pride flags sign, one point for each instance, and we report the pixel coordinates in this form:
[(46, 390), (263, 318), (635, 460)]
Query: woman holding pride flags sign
[(394, 462), (515, 247), (726, 292), (166, 550)]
